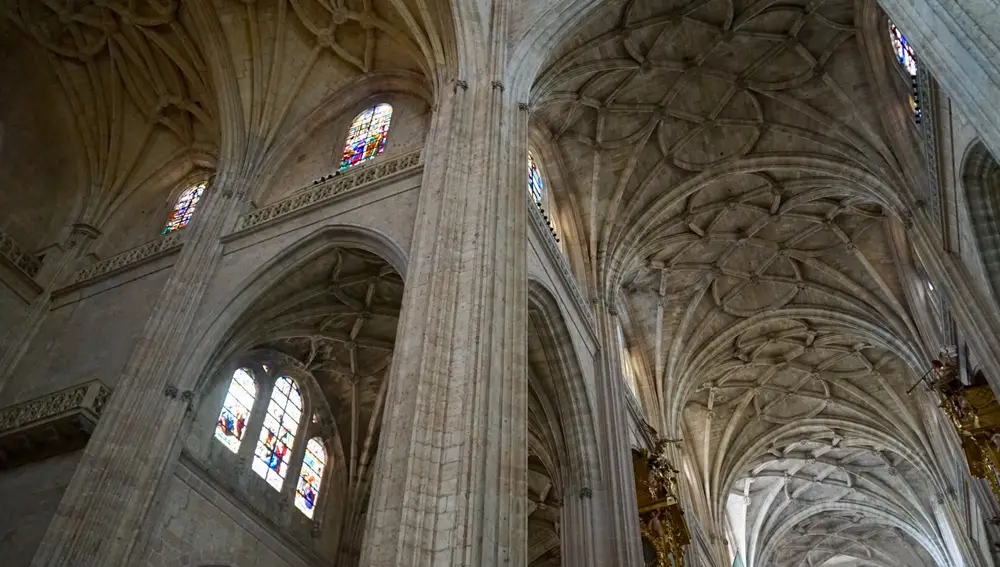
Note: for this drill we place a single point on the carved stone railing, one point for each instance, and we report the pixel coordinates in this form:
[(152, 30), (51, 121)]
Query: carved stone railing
[(57, 423), (24, 261), (161, 245), (331, 186), (560, 259)]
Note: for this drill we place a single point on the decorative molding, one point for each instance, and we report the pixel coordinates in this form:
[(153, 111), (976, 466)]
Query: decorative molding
[(330, 187), (90, 397), (569, 280), (60, 422), (149, 250), (13, 253), (928, 105)]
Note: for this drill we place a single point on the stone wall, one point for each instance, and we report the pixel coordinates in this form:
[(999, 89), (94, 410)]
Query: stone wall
[(200, 524), (30, 495), (90, 335)]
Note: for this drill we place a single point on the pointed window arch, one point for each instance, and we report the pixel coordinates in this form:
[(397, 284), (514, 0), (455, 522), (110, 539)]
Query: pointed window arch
[(236, 410), (277, 436), (904, 52), (536, 184), (367, 136), (184, 208), (908, 61), (310, 476)]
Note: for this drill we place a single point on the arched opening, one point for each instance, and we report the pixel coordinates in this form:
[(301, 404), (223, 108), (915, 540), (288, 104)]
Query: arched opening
[(981, 180), (319, 341), (561, 439)]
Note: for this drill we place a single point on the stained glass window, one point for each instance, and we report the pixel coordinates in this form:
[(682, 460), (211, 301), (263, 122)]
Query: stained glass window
[(236, 410), (536, 186), (277, 436), (310, 476), (904, 53), (184, 208), (367, 136)]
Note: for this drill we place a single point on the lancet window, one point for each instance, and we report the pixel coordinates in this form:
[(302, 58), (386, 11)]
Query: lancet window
[(277, 436), (236, 410), (908, 61), (367, 136), (184, 208), (536, 185), (310, 476)]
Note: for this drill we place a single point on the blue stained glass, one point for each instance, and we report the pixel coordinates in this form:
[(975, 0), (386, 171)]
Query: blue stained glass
[(236, 410), (536, 185), (310, 476), (904, 53), (277, 436)]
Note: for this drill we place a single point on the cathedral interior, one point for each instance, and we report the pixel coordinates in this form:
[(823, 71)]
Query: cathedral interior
[(499, 283)]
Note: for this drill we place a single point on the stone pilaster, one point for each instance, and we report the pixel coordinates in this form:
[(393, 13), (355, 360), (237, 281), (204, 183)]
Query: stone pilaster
[(959, 41), (617, 495), (451, 484), (51, 275), (102, 510)]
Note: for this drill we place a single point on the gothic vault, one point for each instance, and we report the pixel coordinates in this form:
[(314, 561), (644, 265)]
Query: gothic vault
[(295, 283)]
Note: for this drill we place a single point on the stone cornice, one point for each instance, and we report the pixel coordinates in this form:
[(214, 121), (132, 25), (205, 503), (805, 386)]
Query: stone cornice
[(129, 258), (330, 187), (545, 234), (90, 397), (13, 253), (56, 423)]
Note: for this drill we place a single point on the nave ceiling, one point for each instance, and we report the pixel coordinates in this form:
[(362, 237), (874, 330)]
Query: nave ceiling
[(725, 166), (728, 172)]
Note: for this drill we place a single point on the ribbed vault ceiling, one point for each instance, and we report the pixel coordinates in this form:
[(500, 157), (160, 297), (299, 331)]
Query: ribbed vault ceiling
[(163, 88), (711, 148)]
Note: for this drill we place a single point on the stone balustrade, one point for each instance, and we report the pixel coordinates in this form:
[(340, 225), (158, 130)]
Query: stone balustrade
[(548, 236), (59, 422), (163, 244), (24, 261), (330, 187)]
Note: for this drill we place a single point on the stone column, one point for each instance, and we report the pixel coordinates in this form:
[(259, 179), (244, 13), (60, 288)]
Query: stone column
[(450, 487), (959, 41), (620, 522), (103, 508)]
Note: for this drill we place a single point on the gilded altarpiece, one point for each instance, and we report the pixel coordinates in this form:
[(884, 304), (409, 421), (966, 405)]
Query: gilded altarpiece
[(661, 520)]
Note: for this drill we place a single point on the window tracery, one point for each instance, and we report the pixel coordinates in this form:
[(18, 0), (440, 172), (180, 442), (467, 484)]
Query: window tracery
[(904, 52), (236, 410), (184, 208), (367, 136), (908, 61), (310, 476), (277, 436), (536, 185)]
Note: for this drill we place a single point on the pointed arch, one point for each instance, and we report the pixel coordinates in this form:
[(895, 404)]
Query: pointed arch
[(981, 181)]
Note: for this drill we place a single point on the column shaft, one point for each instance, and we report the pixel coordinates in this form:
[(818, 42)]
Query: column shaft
[(105, 504), (451, 485)]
